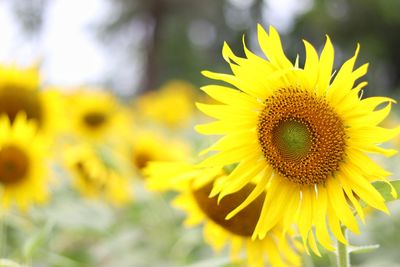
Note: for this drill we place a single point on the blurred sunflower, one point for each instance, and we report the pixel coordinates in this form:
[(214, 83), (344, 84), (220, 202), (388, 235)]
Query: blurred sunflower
[(19, 91), (96, 115), (23, 178), (274, 249), (95, 174), (172, 105), (146, 144), (306, 133)]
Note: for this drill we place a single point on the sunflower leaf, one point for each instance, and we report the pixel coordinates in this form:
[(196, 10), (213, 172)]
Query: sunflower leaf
[(363, 249), (386, 190)]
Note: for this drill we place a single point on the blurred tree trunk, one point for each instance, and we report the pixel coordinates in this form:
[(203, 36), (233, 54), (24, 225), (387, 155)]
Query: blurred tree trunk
[(167, 47), (150, 80)]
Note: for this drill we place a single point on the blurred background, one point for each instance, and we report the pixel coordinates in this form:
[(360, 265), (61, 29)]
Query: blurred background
[(134, 49), (134, 46)]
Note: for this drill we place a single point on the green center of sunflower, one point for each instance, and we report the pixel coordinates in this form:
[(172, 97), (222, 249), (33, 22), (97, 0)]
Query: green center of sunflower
[(292, 138), (243, 223), (14, 99), (301, 136), (94, 119), (14, 164)]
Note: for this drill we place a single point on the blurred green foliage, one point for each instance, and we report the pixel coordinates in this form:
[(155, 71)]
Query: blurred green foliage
[(375, 25)]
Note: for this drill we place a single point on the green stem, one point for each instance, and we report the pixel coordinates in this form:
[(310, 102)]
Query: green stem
[(343, 255)]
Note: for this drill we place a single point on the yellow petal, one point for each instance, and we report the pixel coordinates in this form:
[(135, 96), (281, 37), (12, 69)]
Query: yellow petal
[(306, 213), (350, 196), (254, 250), (311, 65), (242, 175), (223, 127), (325, 67), (231, 96), (339, 204), (274, 207), (227, 157), (363, 188), (342, 84), (233, 140), (272, 47), (321, 229), (257, 191), (334, 225), (229, 113)]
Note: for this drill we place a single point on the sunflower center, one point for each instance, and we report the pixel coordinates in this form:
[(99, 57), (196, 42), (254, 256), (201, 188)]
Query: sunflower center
[(301, 136), (15, 99), (94, 119), (292, 139), (14, 165), (140, 160), (243, 223)]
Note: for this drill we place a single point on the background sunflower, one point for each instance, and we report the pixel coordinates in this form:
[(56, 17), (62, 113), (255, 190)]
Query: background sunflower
[(20, 91), (96, 176), (23, 172), (194, 187), (95, 115)]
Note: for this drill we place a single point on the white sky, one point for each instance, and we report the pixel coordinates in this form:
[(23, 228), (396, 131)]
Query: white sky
[(9, 43), (71, 55), (69, 52)]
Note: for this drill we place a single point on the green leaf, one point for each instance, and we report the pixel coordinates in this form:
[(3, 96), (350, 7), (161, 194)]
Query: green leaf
[(386, 190), (363, 249), (37, 240)]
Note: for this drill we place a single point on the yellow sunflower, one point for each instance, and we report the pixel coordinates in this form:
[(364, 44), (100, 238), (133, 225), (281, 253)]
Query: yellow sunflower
[(95, 115), (172, 105), (23, 177), (19, 91), (307, 134), (194, 186), (148, 145), (97, 174)]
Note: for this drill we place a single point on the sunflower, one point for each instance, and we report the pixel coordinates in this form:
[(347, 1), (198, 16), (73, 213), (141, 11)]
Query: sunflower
[(145, 147), (23, 178), (95, 115), (19, 91), (194, 188), (307, 134), (157, 105), (96, 173)]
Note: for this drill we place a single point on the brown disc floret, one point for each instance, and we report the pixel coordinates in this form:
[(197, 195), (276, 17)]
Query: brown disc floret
[(301, 136)]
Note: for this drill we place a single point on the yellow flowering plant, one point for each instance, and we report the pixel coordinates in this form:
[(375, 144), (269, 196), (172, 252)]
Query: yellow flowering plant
[(300, 138)]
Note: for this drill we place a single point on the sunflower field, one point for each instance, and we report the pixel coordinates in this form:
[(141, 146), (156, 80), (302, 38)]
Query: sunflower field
[(171, 133)]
